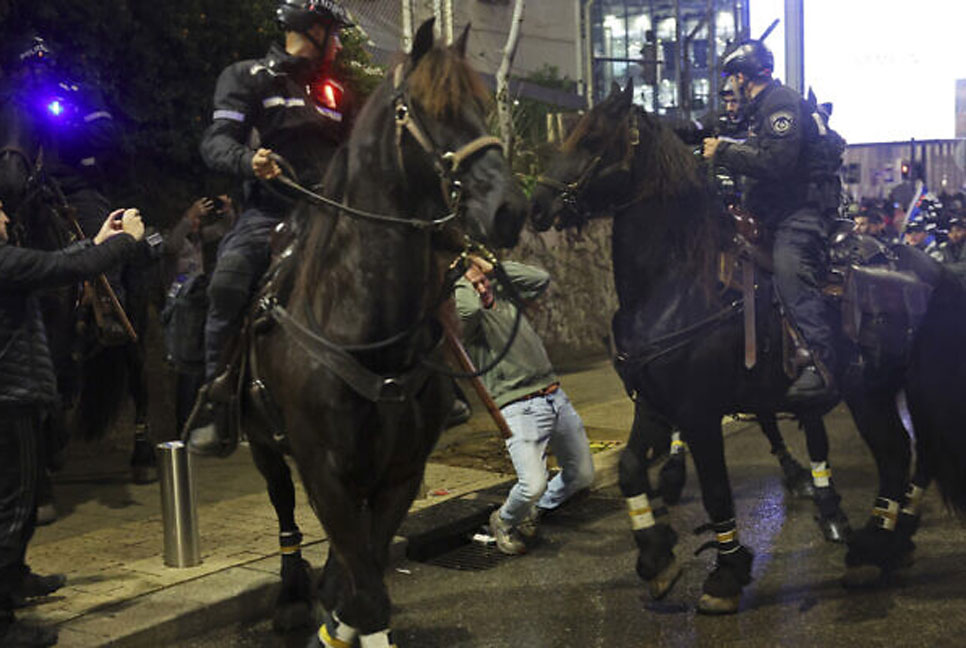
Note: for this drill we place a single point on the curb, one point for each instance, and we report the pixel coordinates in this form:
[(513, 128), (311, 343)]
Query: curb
[(247, 592)]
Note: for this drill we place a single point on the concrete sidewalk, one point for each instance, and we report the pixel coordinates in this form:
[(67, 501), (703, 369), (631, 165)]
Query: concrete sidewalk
[(109, 538)]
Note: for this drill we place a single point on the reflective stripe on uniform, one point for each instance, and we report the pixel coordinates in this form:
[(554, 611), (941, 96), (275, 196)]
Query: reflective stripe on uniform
[(99, 114), (233, 115), (334, 115), (293, 102)]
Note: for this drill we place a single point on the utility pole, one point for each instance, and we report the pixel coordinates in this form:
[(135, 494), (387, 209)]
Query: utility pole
[(795, 45), (407, 25), (503, 78)]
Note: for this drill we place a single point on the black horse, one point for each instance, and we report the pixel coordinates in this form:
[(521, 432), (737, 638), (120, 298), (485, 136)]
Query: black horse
[(348, 360), (680, 344), (89, 376)]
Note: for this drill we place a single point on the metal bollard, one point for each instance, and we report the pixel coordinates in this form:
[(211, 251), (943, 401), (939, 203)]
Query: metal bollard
[(178, 510)]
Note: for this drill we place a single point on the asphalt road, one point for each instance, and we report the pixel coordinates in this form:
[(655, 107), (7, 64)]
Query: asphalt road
[(578, 586)]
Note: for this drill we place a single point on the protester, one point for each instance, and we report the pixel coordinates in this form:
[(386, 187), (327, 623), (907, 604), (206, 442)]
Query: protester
[(28, 392), (190, 249), (523, 384)]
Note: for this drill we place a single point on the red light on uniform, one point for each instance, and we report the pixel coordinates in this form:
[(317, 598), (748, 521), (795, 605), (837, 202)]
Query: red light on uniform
[(328, 93)]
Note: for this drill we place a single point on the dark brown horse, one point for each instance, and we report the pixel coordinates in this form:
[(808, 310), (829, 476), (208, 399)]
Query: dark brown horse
[(349, 360), (680, 347)]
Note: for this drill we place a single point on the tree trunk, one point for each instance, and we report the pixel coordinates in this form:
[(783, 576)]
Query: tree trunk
[(503, 78)]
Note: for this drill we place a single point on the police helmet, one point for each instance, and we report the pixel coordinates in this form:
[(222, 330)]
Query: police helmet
[(751, 58), (916, 226), (956, 221), (300, 15), (29, 51)]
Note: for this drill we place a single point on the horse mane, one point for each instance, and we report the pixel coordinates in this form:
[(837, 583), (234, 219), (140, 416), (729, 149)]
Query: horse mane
[(688, 230), (443, 82)]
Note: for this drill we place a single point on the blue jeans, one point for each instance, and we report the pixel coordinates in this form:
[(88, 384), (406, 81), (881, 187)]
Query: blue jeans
[(536, 424)]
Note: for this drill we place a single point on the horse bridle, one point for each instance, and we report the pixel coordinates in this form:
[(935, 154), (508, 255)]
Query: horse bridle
[(571, 193), (448, 167)]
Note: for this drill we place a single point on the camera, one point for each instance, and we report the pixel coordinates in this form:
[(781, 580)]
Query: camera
[(220, 203)]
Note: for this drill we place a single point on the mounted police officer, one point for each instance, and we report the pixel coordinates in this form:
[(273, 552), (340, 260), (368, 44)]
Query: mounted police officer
[(275, 100), (791, 187), (80, 135)]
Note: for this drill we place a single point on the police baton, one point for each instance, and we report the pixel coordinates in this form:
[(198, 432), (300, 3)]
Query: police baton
[(451, 335)]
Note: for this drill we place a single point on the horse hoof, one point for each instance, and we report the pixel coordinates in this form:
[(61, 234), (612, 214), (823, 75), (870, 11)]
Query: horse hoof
[(144, 474), (863, 576), (292, 616), (834, 529), (708, 604), (660, 585)]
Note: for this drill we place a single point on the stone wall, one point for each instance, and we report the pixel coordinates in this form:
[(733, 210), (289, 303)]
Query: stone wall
[(574, 316)]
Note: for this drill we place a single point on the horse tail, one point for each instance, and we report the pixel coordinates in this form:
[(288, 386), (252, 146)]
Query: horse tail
[(103, 391), (935, 386)]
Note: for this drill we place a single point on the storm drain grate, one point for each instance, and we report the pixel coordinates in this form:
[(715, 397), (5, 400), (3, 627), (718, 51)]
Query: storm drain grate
[(471, 556)]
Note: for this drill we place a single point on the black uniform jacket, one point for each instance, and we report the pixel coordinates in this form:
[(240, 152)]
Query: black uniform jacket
[(270, 99), (26, 369), (772, 158)]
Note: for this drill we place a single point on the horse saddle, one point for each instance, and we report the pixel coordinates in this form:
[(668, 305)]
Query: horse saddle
[(881, 298)]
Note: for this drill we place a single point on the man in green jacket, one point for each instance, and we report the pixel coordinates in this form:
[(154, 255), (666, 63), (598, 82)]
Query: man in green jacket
[(523, 384)]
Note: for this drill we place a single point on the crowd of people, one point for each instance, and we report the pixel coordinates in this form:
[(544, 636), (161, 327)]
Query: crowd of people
[(934, 224)]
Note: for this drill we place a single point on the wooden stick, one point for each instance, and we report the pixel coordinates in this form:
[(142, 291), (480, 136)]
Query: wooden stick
[(105, 285), (466, 364)]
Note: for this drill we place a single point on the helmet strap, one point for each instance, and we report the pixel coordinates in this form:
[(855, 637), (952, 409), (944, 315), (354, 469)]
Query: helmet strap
[(325, 40)]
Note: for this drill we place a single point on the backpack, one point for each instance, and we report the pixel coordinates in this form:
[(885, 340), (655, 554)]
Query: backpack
[(824, 149), (183, 321)]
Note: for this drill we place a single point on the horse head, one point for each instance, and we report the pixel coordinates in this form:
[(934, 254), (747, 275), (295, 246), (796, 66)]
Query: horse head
[(440, 156), (593, 167), (19, 148)]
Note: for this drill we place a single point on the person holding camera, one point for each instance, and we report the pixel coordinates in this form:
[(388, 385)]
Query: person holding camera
[(272, 96), (28, 392), (189, 252)]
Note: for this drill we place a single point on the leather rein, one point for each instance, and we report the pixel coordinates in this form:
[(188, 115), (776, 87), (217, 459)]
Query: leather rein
[(338, 358)]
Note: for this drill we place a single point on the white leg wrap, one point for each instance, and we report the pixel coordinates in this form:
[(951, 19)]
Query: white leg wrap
[(821, 474), (913, 504), (886, 511), (677, 445), (381, 639), (337, 634), (639, 508)]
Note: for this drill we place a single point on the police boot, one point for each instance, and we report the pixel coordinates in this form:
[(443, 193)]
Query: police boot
[(209, 427), (811, 388)]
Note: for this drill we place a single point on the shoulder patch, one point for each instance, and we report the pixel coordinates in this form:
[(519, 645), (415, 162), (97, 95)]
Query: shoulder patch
[(781, 122)]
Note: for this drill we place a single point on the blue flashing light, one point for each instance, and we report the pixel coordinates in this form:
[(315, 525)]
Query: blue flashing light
[(55, 108)]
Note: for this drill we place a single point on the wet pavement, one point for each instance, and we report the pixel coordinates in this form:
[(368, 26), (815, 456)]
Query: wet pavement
[(578, 586)]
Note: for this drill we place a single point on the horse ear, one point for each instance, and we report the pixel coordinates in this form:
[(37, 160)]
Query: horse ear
[(628, 97), (614, 88), (423, 42), (460, 45)]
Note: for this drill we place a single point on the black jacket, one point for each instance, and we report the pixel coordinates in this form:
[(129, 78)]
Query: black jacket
[(773, 156), (270, 99), (26, 370)]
